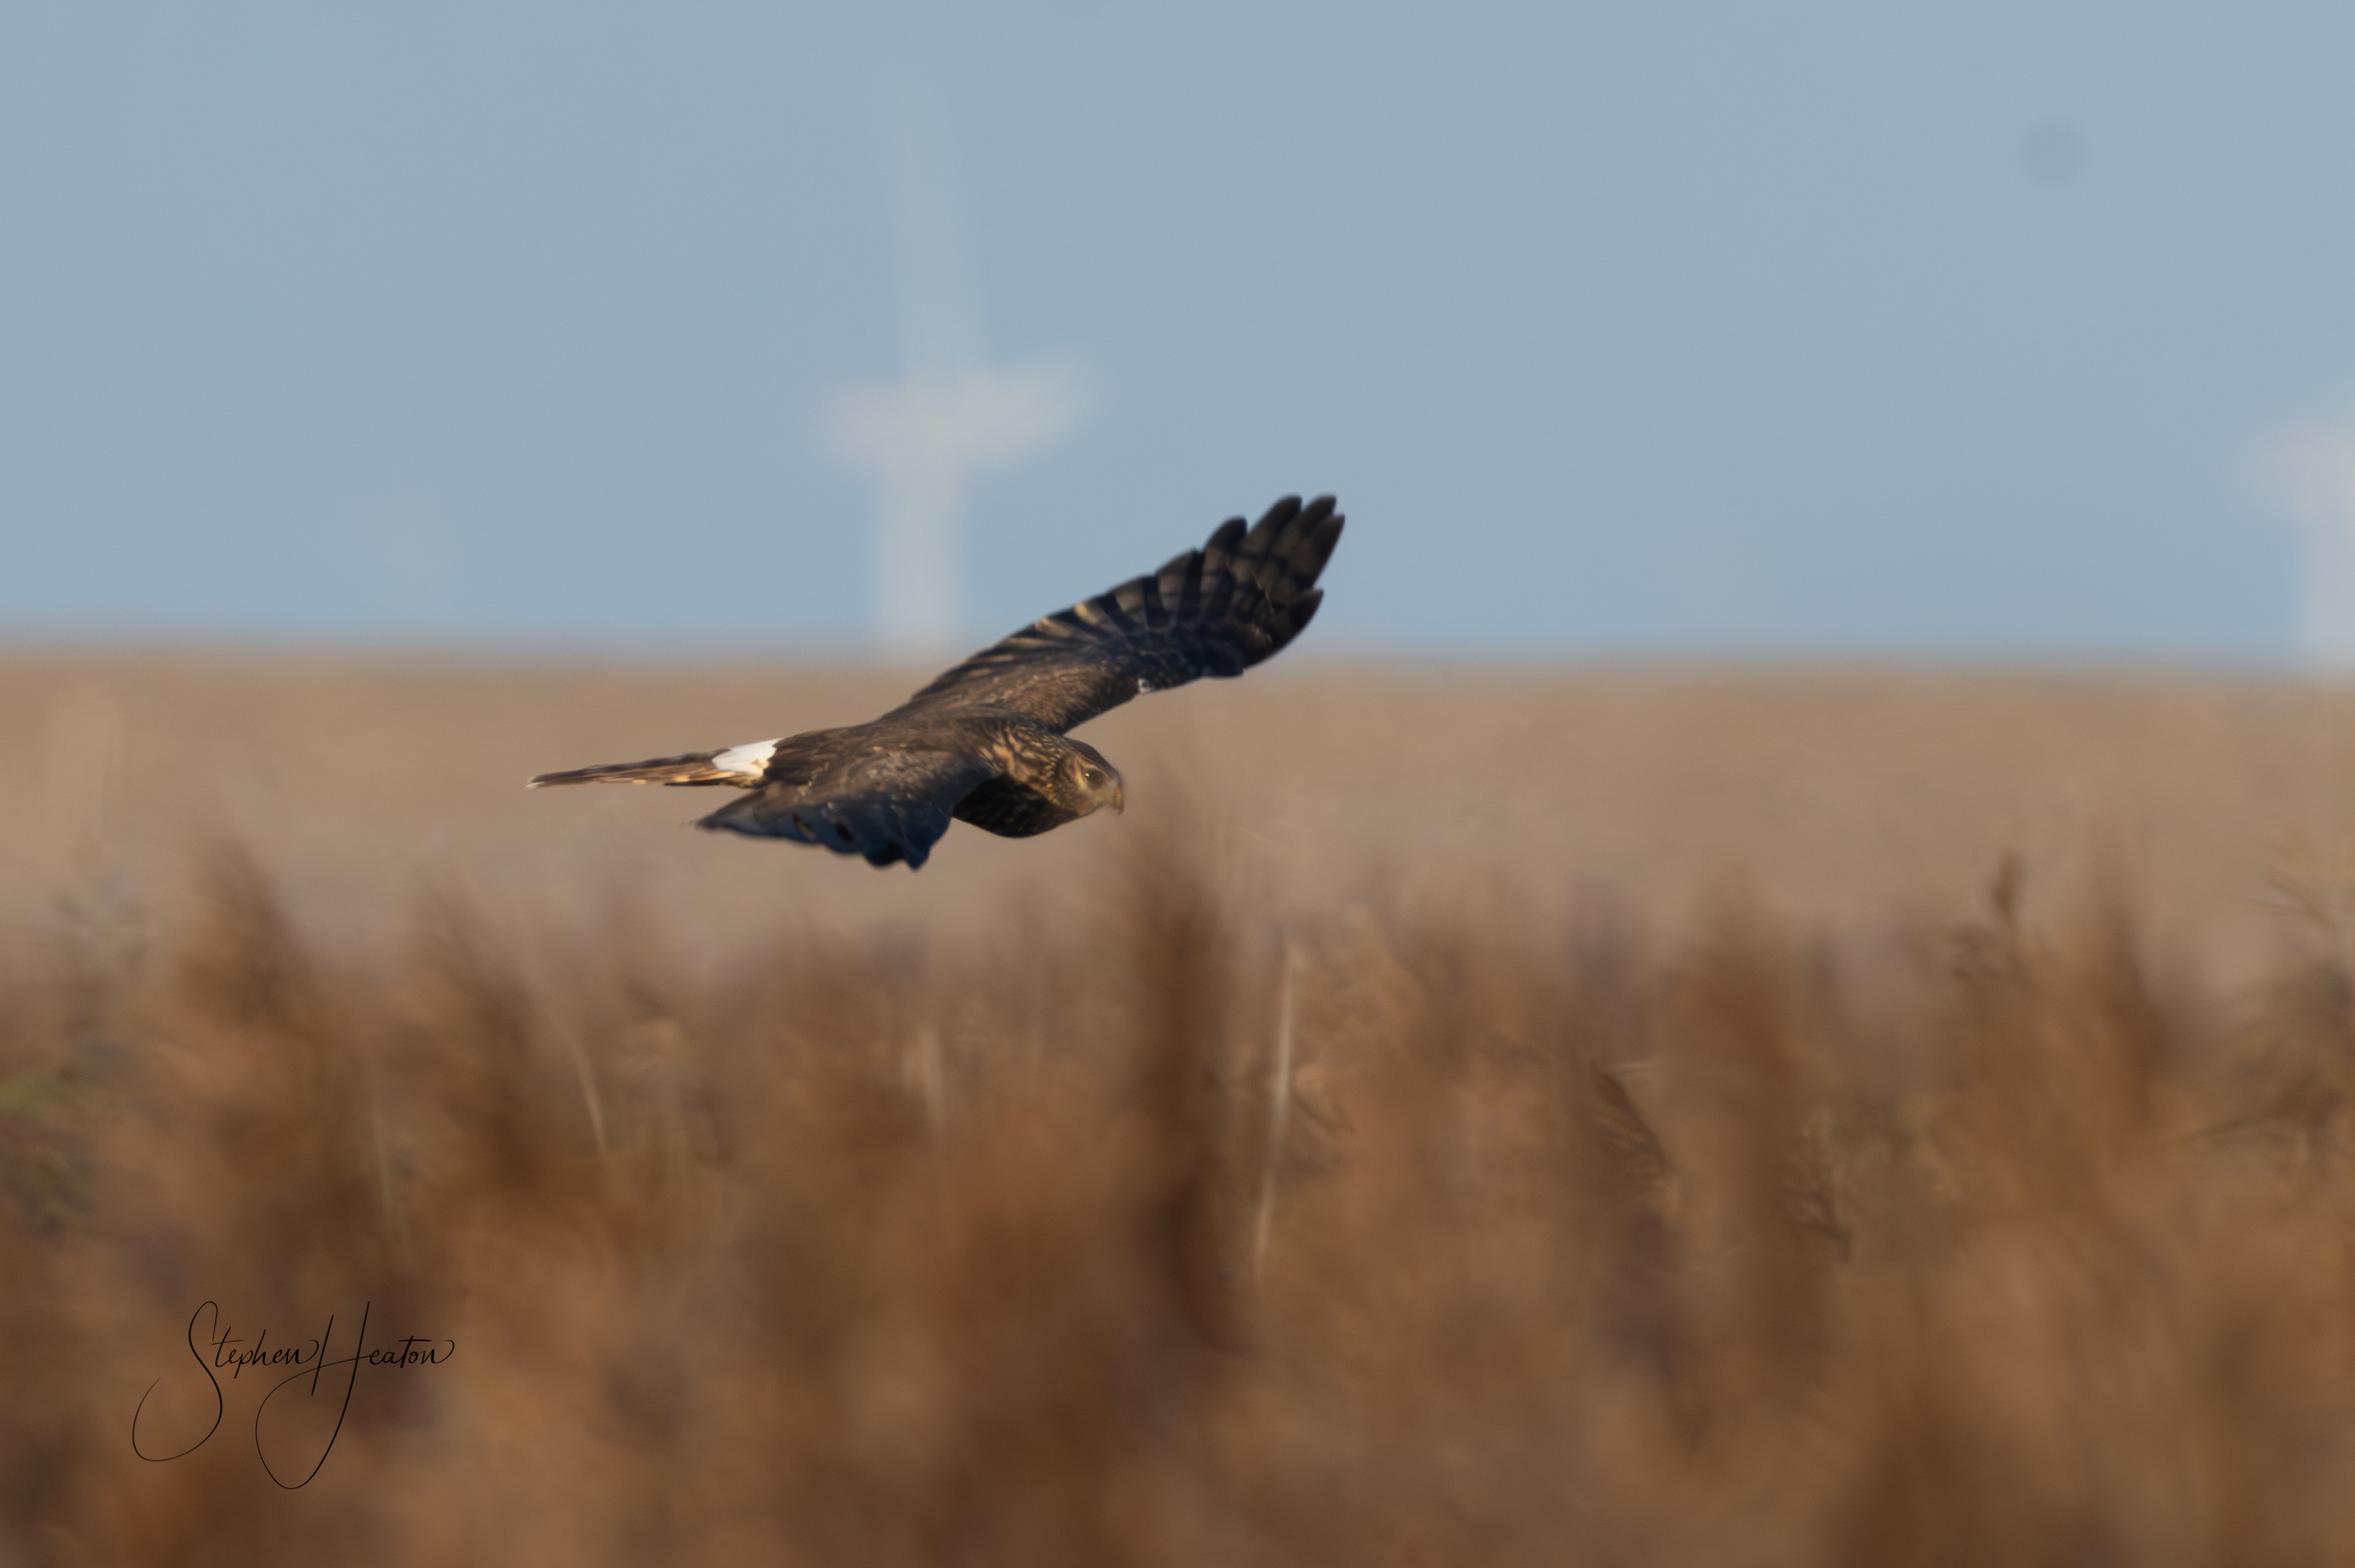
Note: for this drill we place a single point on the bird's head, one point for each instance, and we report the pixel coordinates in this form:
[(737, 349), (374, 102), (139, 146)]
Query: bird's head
[(1091, 781)]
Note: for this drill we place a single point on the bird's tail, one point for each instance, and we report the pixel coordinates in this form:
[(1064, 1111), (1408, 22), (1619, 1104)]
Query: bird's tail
[(700, 767)]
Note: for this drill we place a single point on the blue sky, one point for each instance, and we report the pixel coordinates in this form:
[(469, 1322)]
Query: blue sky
[(1621, 330)]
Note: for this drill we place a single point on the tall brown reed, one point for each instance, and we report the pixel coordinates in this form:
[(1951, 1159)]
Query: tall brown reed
[(1984, 1245)]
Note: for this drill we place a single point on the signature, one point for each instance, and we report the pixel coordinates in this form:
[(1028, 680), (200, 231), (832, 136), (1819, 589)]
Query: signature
[(227, 1350)]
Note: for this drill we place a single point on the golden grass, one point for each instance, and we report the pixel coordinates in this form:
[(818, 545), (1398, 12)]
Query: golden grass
[(1852, 797), (2004, 1239), (1576, 1251)]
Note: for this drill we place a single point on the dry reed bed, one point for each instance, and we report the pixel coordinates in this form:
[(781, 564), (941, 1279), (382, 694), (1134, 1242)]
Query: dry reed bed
[(1440, 1241)]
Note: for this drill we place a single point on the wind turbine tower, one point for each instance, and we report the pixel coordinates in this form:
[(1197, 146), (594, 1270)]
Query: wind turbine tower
[(953, 414), (2312, 471)]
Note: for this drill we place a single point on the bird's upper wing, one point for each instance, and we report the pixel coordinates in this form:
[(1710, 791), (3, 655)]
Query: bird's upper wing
[(887, 802), (1215, 611)]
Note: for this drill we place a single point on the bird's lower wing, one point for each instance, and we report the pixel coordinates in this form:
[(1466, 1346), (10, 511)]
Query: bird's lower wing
[(888, 805), (1215, 611)]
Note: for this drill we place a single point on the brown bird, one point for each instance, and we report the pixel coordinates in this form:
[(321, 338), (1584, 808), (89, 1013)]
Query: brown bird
[(985, 743)]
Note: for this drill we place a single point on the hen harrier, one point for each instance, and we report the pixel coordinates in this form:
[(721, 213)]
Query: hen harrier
[(984, 742)]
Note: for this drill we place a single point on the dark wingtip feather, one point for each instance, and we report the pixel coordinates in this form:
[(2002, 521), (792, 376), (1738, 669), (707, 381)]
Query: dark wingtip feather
[(1327, 532)]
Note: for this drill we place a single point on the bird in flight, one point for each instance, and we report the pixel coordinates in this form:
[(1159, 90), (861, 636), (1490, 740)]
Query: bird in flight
[(984, 743)]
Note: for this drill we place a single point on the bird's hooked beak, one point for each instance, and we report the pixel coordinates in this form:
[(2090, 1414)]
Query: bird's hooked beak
[(1118, 798)]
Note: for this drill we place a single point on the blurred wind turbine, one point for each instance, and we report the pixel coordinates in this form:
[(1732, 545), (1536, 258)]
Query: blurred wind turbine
[(2312, 472), (953, 415)]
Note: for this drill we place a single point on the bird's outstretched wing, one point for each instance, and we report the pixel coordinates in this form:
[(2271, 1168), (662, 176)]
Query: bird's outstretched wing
[(888, 804), (1217, 611)]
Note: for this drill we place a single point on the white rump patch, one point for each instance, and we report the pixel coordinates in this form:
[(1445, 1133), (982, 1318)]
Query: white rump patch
[(749, 759)]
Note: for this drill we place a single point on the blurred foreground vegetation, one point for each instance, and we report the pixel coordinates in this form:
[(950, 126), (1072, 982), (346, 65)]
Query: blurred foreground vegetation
[(1413, 1238)]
